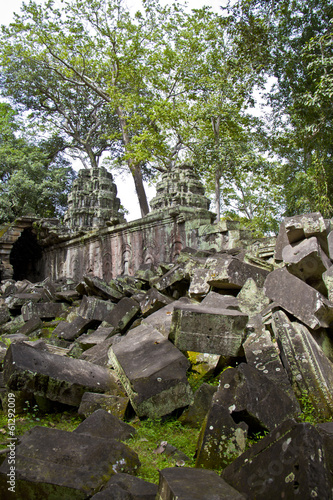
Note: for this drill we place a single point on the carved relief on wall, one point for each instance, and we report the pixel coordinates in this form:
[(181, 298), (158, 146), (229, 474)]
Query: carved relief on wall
[(176, 248), (107, 266), (127, 259)]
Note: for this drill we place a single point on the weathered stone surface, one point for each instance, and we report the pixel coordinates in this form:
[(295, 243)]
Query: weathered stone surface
[(93, 202), (180, 186), (184, 483), (15, 302), (299, 299), (253, 398), (202, 329), (126, 487), (227, 272), (152, 301), (46, 310), (307, 261), (72, 330), (106, 425), (197, 411), (264, 355), (288, 463), (88, 340), (67, 295), (310, 371), (100, 288), (30, 326), (199, 286), (55, 377), (304, 226), (123, 314), (98, 354), (216, 300), (152, 371), (176, 276), (252, 299), (51, 463), (114, 404), (328, 280), (94, 308), (4, 315), (162, 319), (221, 439)]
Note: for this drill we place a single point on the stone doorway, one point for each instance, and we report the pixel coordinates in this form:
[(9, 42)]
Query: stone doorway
[(25, 257)]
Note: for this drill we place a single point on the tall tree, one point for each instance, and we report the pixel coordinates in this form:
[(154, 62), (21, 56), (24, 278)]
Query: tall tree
[(294, 45), (34, 176)]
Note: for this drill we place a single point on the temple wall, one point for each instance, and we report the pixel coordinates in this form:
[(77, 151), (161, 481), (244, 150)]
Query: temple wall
[(122, 249)]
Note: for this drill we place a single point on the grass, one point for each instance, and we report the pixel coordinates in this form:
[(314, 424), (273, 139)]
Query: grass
[(67, 421), (150, 433)]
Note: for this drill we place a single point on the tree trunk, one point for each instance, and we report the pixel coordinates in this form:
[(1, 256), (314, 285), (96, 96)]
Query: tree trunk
[(218, 195), (134, 168)]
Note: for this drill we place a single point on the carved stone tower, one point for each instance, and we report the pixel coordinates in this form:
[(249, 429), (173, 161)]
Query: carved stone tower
[(93, 202), (180, 187)]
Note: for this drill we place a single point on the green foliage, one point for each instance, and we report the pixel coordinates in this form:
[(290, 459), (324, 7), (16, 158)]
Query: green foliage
[(34, 177)]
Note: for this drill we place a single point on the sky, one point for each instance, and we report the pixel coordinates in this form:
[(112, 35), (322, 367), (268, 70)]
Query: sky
[(125, 183)]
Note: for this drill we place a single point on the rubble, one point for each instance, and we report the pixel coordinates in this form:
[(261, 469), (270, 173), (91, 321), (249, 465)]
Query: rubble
[(138, 346)]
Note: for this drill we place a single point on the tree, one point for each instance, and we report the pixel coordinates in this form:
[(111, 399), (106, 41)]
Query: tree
[(34, 177), (97, 48), (297, 42)]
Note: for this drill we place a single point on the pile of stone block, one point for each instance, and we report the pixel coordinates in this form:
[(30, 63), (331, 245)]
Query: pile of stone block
[(129, 348)]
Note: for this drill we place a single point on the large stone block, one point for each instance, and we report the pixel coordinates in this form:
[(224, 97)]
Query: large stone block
[(203, 329), (264, 355), (221, 439), (152, 371), (123, 314), (126, 487), (184, 483), (105, 425), (299, 227), (288, 463), (299, 299), (72, 330), (44, 310), (94, 308), (228, 272), (307, 261), (55, 377), (114, 404), (310, 371), (51, 463)]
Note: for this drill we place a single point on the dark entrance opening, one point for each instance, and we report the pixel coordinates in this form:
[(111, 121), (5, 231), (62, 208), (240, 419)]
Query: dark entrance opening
[(25, 257)]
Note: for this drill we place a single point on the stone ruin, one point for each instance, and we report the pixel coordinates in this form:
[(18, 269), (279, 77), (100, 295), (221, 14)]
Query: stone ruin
[(257, 321)]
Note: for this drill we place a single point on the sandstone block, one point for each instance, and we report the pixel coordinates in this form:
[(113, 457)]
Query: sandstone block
[(44, 310), (55, 377), (152, 301), (227, 272), (123, 313), (299, 227), (51, 463), (198, 409), (72, 330), (216, 300), (310, 371), (102, 289), (126, 487), (299, 299), (105, 425), (152, 371), (264, 355), (252, 299), (114, 404), (288, 463), (94, 308), (184, 483), (202, 329)]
